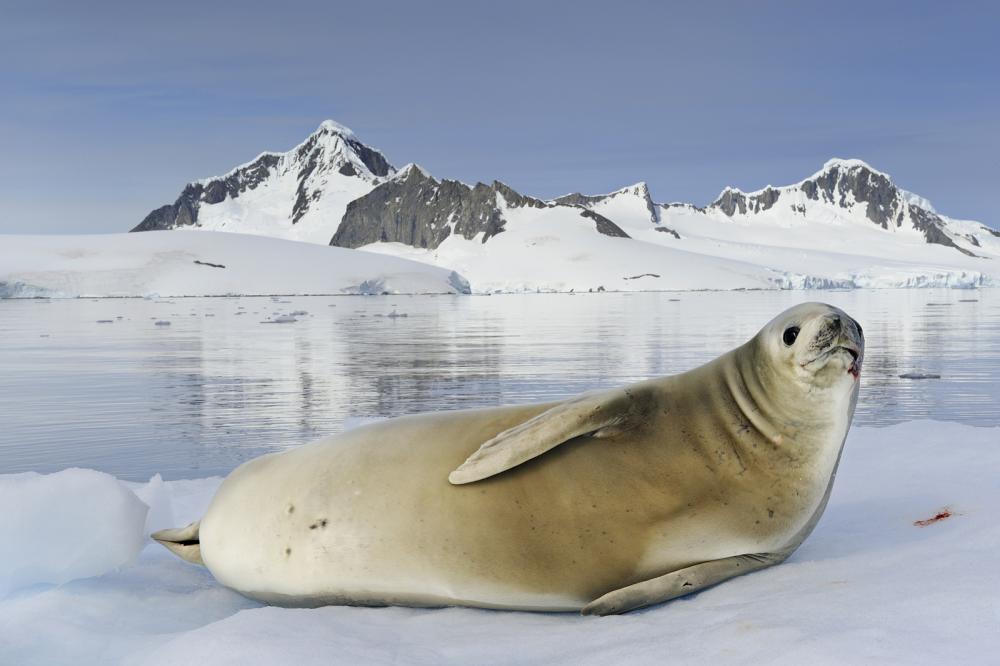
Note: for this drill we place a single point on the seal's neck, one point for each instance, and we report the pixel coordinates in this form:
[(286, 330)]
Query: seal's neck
[(781, 412)]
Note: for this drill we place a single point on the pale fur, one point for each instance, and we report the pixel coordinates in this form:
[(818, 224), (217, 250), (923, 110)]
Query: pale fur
[(734, 458)]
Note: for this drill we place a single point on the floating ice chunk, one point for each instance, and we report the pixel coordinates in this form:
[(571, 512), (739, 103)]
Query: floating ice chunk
[(72, 524), (156, 496)]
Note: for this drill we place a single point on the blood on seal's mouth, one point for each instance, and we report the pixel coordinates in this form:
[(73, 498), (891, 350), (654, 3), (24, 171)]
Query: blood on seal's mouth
[(855, 368)]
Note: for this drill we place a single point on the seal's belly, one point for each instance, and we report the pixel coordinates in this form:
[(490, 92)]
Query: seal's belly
[(370, 515)]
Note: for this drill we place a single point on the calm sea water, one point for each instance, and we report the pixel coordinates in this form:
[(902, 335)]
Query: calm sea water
[(217, 386)]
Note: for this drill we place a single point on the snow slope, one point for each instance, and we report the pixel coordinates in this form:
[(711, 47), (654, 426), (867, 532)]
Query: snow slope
[(556, 249), (553, 248), (870, 585), (189, 263)]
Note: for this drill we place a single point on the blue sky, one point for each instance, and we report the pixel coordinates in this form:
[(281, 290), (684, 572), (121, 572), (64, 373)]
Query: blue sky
[(109, 108)]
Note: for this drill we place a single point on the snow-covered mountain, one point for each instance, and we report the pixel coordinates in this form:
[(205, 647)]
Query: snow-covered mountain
[(416, 209), (847, 225), (297, 195)]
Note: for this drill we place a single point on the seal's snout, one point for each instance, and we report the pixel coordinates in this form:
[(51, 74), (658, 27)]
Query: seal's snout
[(833, 337)]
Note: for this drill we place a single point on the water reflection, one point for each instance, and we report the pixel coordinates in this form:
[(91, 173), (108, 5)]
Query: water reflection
[(218, 387)]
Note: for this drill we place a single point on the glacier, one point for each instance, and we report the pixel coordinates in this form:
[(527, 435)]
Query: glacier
[(188, 263)]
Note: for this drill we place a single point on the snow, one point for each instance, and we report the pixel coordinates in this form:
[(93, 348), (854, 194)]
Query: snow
[(799, 243), (917, 200), (849, 163), (557, 249), (901, 569), (72, 524), (627, 207), (554, 249), (333, 126), (404, 172), (163, 263), (266, 209)]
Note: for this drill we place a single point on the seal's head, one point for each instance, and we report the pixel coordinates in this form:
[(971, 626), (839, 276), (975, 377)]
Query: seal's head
[(815, 344)]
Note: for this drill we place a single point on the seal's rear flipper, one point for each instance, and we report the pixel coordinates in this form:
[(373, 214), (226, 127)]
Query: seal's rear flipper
[(182, 542)]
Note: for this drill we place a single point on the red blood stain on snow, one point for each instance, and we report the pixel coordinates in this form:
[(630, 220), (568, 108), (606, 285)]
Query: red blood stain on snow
[(941, 515)]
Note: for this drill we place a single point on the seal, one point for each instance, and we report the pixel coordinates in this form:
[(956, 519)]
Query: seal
[(602, 503)]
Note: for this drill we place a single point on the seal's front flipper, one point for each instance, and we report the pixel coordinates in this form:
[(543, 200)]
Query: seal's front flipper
[(598, 414), (678, 583), (183, 542)]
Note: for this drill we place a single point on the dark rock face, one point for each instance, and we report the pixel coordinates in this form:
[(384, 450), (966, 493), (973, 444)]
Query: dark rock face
[(373, 159), (577, 199), (732, 201), (686, 206), (604, 225), (515, 199), (836, 183), (418, 210), (932, 227), (184, 211), (668, 230)]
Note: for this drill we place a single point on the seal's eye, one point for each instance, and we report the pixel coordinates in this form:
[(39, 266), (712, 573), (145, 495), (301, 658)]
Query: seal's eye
[(791, 333)]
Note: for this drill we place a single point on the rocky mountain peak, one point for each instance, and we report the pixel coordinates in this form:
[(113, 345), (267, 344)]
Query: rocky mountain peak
[(331, 153), (852, 186), (843, 183), (639, 191), (417, 209), (334, 146)]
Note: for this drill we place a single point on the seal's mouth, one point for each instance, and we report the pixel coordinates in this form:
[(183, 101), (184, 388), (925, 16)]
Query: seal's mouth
[(855, 367)]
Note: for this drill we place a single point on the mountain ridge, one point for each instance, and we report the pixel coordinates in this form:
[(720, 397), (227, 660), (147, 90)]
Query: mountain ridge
[(334, 189)]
